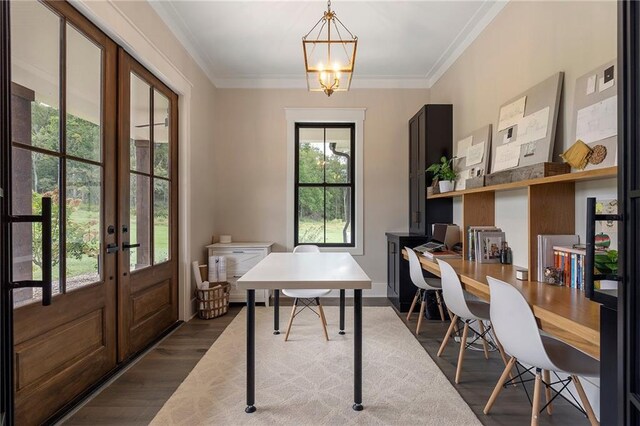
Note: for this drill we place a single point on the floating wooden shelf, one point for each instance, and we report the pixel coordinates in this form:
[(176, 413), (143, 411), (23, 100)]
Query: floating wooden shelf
[(604, 173)]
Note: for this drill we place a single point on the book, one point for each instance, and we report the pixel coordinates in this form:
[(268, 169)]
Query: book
[(546, 245), (442, 254), (472, 237), (488, 245)]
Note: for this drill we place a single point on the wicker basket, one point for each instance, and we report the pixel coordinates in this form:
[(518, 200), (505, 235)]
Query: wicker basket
[(214, 301)]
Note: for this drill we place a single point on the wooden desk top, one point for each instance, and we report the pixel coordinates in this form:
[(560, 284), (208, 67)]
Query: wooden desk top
[(562, 312), (306, 271)]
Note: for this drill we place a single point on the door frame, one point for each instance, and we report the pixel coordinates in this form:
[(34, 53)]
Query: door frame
[(6, 296)]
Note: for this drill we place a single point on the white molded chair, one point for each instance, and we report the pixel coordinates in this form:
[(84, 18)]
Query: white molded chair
[(517, 329), (306, 297), (423, 284), (466, 310)]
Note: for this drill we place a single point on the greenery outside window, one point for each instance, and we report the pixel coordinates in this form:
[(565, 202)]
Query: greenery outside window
[(324, 184)]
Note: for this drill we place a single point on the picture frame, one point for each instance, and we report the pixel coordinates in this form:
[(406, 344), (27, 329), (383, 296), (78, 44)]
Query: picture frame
[(488, 246)]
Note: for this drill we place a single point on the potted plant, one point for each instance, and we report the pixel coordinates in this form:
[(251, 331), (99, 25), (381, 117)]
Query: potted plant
[(607, 263), (443, 174)]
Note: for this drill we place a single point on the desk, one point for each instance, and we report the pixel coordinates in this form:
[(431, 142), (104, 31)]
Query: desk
[(305, 271), (562, 312)]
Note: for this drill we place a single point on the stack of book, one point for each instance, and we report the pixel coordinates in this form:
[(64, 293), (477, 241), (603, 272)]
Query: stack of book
[(570, 260), (441, 254)]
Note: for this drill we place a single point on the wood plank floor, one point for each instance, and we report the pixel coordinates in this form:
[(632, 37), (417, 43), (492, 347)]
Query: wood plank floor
[(137, 395)]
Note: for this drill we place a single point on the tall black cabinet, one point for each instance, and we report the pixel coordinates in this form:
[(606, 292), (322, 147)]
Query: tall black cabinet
[(430, 137)]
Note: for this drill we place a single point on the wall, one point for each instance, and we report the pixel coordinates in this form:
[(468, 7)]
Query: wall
[(526, 43), (249, 164), (136, 26)]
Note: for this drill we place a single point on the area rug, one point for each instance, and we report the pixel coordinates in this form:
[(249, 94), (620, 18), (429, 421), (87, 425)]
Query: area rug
[(309, 381)]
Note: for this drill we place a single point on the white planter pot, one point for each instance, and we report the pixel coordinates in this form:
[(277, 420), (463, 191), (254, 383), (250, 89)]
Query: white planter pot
[(446, 185), (608, 285)]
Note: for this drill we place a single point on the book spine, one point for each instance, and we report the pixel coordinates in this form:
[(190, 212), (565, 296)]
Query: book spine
[(567, 269), (574, 274)]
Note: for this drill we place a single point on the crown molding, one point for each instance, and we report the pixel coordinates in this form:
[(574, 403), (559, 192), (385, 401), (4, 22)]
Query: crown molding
[(300, 83), (486, 13)]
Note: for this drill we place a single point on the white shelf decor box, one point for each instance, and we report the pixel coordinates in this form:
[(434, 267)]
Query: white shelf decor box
[(240, 258)]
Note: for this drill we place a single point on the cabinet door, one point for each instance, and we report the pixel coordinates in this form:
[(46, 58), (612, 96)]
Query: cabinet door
[(414, 156), (391, 266)]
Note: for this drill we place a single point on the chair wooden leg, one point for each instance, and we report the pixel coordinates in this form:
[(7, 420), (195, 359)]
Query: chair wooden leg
[(423, 305), (585, 401), (501, 350), (484, 340), (535, 406), (439, 300), (293, 313), (454, 320), (546, 377), (413, 304), (323, 321), (499, 385), (463, 344)]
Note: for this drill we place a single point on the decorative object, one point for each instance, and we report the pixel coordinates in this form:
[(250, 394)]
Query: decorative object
[(577, 156), (526, 129), (329, 59), (522, 274), (213, 302), (528, 172), (553, 275), (598, 154), (443, 174), (225, 239)]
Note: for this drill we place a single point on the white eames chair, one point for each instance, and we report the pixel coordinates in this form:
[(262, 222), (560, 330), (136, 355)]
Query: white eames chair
[(306, 297), (468, 311), (518, 332), (423, 284)]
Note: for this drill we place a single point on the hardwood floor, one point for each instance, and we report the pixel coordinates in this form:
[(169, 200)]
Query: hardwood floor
[(137, 395)]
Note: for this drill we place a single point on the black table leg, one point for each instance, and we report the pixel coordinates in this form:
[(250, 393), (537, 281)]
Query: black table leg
[(342, 303), (276, 311), (251, 351), (357, 350)]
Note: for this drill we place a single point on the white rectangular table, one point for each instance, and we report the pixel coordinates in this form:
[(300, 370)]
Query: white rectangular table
[(305, 271)]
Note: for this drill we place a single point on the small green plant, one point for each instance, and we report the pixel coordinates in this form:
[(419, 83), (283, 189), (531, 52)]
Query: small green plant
[(442, 170), (607, 263)]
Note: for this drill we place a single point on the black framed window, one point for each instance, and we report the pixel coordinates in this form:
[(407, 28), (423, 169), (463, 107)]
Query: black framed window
[(324, 184)]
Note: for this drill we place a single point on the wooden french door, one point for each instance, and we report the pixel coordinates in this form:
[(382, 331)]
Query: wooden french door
[(147, 214), (63, 146)]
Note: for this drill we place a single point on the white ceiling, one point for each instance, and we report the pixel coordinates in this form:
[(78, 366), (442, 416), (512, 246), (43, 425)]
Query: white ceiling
[(249, 44)]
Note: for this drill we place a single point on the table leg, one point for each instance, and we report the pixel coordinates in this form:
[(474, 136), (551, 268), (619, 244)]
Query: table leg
[(251, 351), (276, 311), (357, 350), (342, 303)]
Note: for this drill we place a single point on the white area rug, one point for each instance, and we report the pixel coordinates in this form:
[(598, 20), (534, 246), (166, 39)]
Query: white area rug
[(308, 381)]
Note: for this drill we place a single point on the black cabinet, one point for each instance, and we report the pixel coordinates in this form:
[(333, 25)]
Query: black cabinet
[(430, 137), (400, 289)]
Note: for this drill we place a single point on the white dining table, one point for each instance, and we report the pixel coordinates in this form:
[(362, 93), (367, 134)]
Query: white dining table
[(305, 271)]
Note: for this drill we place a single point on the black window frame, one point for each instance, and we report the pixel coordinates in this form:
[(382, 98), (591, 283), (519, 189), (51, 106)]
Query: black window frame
[(351, 184)]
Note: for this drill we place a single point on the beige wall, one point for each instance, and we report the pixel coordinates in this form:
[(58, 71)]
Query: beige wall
[(250, 163), (526, 43)]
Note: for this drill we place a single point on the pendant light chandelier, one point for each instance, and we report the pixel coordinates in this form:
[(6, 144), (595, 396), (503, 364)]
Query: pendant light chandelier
[(328, 57)]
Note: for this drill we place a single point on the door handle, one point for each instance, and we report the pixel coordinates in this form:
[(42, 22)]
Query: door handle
[(112, 248), (127, 246), (47, 267)]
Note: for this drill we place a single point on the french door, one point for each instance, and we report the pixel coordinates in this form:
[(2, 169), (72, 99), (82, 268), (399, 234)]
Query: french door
[(63, 141), (629, 202), (148, 191)]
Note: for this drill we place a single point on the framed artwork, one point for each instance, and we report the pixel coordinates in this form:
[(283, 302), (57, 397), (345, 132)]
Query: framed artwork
[(488, 246)]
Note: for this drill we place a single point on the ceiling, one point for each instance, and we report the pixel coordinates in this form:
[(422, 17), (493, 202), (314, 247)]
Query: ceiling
[(251, 44)]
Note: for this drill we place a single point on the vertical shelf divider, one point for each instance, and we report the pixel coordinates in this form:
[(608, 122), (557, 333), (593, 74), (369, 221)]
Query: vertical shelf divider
[(478, 209)]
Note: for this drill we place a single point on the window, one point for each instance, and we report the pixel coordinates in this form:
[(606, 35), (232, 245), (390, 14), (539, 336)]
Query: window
[(324, 184)]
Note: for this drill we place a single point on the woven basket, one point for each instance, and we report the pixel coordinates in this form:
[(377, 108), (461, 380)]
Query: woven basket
[(214, 301)]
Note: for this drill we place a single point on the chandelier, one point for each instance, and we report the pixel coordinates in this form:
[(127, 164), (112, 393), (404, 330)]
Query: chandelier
[(328, 57)]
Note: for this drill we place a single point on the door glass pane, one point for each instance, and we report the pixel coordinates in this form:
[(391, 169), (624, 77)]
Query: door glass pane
[(311, 215), (311, 155), (160, 134), (35, 64), (338, 213), (83, 224), (160, 220), (338, 155), (139, 150), (140, 221), (84, 96), (34, 175)]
